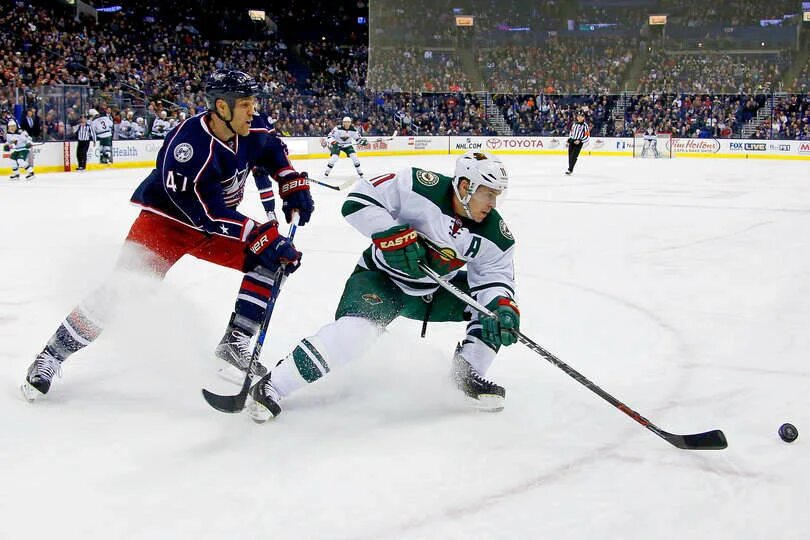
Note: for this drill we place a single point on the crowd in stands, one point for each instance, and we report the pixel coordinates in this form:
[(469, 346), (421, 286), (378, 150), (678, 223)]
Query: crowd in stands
[(727, 12), (790, 120), (552, 115), (713, 72), (561, 66), (156, 67)]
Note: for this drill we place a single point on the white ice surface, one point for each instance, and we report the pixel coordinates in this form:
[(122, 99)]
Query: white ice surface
[(681, 287)]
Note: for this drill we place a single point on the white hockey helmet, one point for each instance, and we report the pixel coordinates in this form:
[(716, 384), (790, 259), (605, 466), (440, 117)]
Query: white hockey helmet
[(480, 169), (163, 115), (92, 113), (12, 123), (347, 119)]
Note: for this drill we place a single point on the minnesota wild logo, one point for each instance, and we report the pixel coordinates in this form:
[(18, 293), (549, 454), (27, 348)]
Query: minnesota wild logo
[(505, 230), (444, 260), (372, 299), (427, 178)]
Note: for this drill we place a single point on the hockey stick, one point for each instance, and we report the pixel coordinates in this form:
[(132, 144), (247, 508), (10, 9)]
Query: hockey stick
[(391, 138), (345, 185), (235, 403), (710, 440)]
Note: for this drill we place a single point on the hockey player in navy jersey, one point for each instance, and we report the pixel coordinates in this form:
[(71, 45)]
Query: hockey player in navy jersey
[(189, 208)]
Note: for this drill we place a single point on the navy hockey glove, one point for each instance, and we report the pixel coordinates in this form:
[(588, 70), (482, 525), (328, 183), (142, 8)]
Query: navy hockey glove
[(267, 248), (498, 330), (294, 191), (401, 249)]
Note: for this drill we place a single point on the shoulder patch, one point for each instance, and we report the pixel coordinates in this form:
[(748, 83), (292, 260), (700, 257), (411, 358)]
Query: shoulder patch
[(183, 152), (505, 230), (427, 178)]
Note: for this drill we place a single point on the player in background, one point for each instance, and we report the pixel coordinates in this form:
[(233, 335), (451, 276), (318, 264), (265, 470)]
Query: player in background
[(342, 139), (188, 207), (139, 128), (449, 222), (103, 126), (650, 143), (579, 135), (161, 126), (125, 128), (19, 143)]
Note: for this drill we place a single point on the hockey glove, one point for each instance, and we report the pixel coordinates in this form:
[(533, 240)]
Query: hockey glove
[(267, 248), (294, 191), (499, 330), (362, 142), (401, 249)]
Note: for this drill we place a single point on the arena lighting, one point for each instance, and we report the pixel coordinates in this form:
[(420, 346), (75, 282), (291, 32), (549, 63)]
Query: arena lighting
[(806, 16), (657, 20), (465, 20), (256, 14)]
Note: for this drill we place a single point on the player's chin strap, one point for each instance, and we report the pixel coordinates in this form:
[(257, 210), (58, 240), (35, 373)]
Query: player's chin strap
[(465, 201), (227, 122)]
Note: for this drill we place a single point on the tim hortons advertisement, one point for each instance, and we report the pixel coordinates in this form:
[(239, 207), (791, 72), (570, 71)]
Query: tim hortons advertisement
[(695, 146)]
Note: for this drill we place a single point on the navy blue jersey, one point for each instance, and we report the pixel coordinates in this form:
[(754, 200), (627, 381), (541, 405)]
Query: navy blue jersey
[(199, 180)]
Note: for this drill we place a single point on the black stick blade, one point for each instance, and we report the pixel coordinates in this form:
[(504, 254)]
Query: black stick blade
[(710, 440), (228, 404)]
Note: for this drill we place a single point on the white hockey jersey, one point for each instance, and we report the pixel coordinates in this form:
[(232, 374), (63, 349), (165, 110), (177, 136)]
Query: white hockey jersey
[(160, 128), (345, 138), (103, 125), (423, 200), (20, 140), (125, 129)]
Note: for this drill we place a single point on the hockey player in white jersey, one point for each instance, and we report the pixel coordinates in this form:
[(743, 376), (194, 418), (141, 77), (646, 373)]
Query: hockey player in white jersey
[(125, 128), (161, 126), (103, 125), (19, 144), (342, 139), (416, 216), (139, 128), (650, 143)]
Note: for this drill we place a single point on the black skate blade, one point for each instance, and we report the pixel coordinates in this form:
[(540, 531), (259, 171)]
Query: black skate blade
[(710, 440)]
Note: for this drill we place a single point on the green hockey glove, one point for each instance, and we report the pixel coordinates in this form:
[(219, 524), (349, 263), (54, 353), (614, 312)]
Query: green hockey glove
[(499, 330), (401, 249)]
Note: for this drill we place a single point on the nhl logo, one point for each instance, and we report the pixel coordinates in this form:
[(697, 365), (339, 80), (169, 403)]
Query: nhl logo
[(427, 178), (183, 152), (505, 230)]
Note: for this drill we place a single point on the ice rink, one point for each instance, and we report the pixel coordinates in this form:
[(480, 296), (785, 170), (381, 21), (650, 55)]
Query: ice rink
[(682, 287)]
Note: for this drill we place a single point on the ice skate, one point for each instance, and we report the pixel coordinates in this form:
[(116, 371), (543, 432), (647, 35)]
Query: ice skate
[(29, 176), (485, 395), (236, 351), (40, 374), (14, 176), (263, 401)]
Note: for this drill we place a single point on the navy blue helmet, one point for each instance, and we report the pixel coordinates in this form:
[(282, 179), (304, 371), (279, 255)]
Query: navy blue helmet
[(229, 84)]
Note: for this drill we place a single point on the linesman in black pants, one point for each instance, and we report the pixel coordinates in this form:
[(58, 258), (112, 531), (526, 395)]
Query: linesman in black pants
[(580, 134), (85, 133)]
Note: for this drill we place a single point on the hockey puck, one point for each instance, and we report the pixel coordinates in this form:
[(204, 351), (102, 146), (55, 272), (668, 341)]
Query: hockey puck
[(788, 432)]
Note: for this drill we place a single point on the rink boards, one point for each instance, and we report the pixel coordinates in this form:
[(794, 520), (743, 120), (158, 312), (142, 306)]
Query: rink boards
[(61, 156)]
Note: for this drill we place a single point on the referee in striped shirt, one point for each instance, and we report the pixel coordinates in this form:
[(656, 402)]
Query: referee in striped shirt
[(84, 132), (580, 134)]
